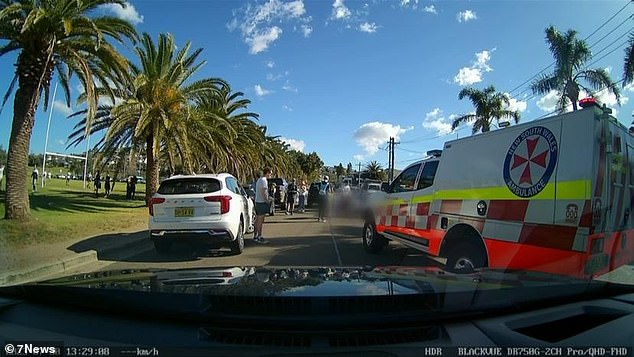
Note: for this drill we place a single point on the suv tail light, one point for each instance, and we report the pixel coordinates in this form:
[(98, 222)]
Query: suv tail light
[(155, 201), (224, 202)]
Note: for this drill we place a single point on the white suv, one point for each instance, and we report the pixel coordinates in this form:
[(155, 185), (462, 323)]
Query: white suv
[(209, 208)]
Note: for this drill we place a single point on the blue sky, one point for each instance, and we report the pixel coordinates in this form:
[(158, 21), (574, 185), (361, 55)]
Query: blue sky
[(340, 77)]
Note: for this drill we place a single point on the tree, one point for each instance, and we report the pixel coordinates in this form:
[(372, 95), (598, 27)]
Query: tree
[(349, 169), (52, 36), (489, 104), (571, 56), (375, 171), (152, 111), (628, 66), (339, 170)]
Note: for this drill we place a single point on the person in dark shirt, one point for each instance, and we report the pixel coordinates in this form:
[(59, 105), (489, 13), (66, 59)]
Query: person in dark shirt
[(291, 193)]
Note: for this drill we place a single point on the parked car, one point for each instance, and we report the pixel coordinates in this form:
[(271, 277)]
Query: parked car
[(313, 194), (249, 191), (209, 208)]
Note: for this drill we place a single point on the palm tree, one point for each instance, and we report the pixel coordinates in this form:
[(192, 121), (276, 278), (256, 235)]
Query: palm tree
[(154, 108), (571, 56), (375, 170), (489, 104), (628, 66), (52, 36)]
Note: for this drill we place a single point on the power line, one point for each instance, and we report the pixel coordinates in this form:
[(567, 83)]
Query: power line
[(585, 39)]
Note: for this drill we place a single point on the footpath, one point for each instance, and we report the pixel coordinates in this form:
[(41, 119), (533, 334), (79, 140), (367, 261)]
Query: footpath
[(32, 263)]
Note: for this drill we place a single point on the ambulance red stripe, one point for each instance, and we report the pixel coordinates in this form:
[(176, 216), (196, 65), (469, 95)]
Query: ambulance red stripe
[(512, 210)]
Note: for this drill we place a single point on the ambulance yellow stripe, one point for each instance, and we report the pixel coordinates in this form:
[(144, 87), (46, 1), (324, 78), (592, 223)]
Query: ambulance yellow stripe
[(566, 190)]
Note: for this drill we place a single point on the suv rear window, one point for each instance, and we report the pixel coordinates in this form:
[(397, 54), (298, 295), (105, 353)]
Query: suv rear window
[(189, 185)]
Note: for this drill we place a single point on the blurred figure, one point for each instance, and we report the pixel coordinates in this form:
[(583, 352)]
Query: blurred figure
[(107, 186), (272, 190), (97, 183), (291, 193), (303, 192), (34, 176), (325, 189)]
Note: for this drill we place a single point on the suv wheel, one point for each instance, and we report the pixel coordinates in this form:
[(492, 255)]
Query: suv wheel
[(372, 241), (237, 246), (465, 258), (162, 246)]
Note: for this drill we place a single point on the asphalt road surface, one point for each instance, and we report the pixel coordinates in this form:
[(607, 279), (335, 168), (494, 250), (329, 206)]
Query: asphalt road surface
[(297, 240)]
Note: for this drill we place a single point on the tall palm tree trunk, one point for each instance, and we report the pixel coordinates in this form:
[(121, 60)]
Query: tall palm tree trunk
[(152, 169), (32, 72)]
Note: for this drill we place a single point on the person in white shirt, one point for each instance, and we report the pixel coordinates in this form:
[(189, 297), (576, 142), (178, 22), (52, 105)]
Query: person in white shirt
[(262, 204)]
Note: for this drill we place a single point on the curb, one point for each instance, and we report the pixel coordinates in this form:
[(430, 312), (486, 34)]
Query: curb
[(58, 266), (62, 265)]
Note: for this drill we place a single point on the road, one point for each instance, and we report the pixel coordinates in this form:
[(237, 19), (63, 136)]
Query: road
[(297, 240)]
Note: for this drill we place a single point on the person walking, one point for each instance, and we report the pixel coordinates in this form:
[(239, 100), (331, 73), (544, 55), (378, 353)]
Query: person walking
[(291, 194), (302, 191), (135, 180), (272, 190), (325, 189), (34, 176), (262, 203), (97, 183), (128, 188), (106, 186)]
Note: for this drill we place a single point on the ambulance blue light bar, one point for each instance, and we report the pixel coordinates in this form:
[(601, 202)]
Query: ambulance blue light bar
[(588, 102)]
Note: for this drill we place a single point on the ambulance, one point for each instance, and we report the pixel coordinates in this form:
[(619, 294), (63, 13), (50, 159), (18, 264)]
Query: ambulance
[(552, 195)]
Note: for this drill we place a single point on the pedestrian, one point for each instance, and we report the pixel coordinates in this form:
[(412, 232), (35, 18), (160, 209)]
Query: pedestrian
[(43, 178), (107, 185), (272, 190), (325, 189), (68, 180), (34, 176), (133, 187), (97, 183), (291, 194), (262, 203), (302, 191), (128, 188)]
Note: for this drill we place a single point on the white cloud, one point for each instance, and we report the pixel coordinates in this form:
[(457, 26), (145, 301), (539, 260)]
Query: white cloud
[(289, 88), (370, 136), (630, 87), (256, 24), (368, 27), (275, 77), (61, 141), (126, 13), (60, 106), (295, 144), (287, 108), (516, 105), (466, 15), (260, 91), (270, 64), (609, 99), (358, 157), (435, 120), (260, 40), (430, 9), (548, 102), (473, 74), (307, 30), (467, 76), (340, 11)]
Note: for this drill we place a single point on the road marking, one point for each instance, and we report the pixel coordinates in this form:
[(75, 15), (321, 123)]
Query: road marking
[(334, 242)]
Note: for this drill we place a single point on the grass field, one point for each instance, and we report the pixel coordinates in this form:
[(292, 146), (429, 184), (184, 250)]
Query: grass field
[(63, 212)]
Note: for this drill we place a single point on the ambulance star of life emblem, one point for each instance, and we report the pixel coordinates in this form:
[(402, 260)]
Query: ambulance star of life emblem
[(530, 161)]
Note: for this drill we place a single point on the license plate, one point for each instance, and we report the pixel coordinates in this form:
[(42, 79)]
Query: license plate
[(183, 212)]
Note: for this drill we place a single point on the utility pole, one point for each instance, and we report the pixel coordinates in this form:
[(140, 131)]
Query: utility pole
[(359, 182), (391, 146)]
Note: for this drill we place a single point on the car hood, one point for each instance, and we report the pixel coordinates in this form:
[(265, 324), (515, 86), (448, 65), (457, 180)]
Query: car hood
[(321, 293), (316, 281)]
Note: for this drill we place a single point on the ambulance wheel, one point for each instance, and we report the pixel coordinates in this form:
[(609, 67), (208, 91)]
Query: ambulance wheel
[(372, 241), (465, 258)]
